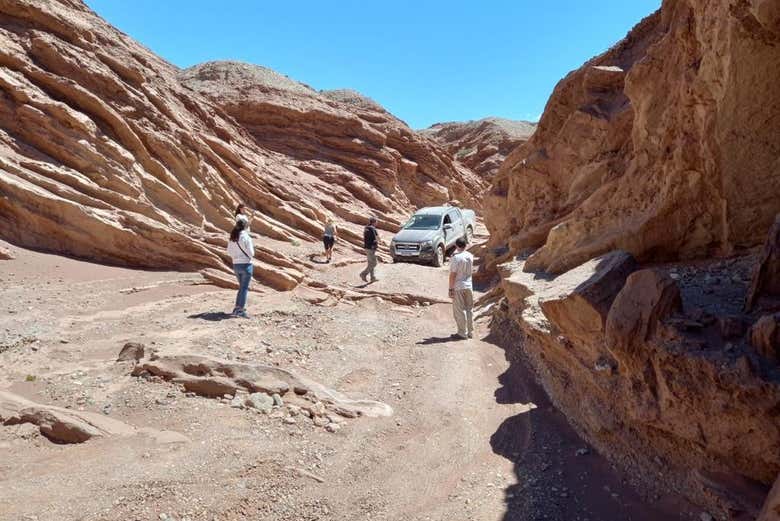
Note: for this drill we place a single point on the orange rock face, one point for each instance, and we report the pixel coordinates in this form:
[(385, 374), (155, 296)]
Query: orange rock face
[(665, 146), (106, 155), (481, 145)]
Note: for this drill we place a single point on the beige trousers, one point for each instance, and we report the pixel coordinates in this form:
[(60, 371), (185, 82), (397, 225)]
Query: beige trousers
[(370, 266), (462, 306)]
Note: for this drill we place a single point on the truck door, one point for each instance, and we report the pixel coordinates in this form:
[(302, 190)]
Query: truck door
[(458, 229)]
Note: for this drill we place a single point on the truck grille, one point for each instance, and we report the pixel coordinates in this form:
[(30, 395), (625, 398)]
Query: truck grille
[(407, 247)]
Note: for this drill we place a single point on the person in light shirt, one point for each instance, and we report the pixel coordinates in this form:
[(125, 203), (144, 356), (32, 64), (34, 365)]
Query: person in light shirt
[(461, 293), (241, 250)]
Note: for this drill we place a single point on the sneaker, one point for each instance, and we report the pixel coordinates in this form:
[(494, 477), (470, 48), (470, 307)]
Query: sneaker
[(471, 334), (241, 314), (363, 278), (458, 336)]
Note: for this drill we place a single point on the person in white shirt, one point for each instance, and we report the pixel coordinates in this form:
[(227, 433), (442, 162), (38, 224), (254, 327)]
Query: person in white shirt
[(241, 250), (461, 265)]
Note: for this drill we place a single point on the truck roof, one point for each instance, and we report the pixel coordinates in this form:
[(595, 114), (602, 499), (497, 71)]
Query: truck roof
[(434, 210)]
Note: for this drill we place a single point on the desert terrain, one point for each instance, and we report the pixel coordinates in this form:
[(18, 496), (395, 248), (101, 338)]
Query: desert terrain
[(627, 361), (470, 435)]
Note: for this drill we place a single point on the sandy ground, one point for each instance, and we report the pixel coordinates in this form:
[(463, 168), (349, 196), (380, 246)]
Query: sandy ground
[(471, 437)]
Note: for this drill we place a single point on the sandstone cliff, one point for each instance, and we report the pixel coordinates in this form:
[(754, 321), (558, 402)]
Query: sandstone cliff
[(665, 148), (481, 145), (105, 155)]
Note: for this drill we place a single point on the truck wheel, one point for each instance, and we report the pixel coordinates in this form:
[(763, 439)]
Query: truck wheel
[(469, 234), (438, 258)]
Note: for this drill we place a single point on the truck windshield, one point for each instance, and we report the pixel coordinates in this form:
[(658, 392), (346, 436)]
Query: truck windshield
[(423, 222)]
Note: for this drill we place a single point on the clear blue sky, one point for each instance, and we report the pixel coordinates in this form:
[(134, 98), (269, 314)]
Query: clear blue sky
[(425, 61)]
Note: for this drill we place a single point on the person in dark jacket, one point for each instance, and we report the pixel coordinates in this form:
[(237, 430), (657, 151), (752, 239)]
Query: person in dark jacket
[(370, 243)]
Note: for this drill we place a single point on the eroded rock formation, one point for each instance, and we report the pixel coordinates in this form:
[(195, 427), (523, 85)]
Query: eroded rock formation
[(665, 146), (105, 155), (68, 426), (481, 145)]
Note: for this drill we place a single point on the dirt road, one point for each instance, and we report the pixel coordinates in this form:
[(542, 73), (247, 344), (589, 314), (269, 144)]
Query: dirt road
[(470, 437)]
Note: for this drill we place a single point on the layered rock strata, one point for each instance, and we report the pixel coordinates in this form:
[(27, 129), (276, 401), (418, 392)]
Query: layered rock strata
[(481, 145), (106, 156)]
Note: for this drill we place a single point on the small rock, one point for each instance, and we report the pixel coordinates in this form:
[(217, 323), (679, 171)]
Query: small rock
[(237, 402), (131, 352), (290, 420), (260, 401), (333, 427), (277, 400), (583, 451)]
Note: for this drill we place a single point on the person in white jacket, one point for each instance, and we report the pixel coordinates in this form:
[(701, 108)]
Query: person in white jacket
[(241, 250)]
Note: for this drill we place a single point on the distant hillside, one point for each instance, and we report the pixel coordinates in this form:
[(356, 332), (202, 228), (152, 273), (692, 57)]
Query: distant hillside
[(481, 145)]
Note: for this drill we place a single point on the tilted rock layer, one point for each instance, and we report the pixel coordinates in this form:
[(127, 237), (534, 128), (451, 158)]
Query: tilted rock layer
[(666, 146), (481, 145), (106, 155)]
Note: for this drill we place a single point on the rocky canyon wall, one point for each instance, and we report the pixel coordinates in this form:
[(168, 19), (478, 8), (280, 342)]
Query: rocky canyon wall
[(108, 154), (624, 233), (666, 146)]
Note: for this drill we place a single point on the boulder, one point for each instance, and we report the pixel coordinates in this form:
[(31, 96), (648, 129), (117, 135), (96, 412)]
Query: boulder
[(765, 282), (765, 337), (587, 293), (648, 297), (5, 253)]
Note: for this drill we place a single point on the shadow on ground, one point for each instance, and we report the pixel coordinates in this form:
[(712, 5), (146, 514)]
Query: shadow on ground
[(440, 340), (212, 316), (559, 476)]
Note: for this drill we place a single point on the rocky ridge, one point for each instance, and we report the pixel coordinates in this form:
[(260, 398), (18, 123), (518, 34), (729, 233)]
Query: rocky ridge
[(624, 234), (106, 155), (481, 145)]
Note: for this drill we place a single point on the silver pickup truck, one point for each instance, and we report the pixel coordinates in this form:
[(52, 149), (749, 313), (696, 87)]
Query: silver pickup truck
[(431, 233)]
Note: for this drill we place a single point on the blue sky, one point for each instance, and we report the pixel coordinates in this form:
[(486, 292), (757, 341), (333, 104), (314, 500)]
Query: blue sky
[(425, 61)]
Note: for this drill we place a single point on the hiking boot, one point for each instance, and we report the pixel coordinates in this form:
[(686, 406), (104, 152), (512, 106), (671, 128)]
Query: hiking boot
[(458, 336), (363, 277), (241, 314)]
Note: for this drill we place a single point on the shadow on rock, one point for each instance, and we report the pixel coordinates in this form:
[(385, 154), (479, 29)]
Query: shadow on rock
[(559, 476)]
